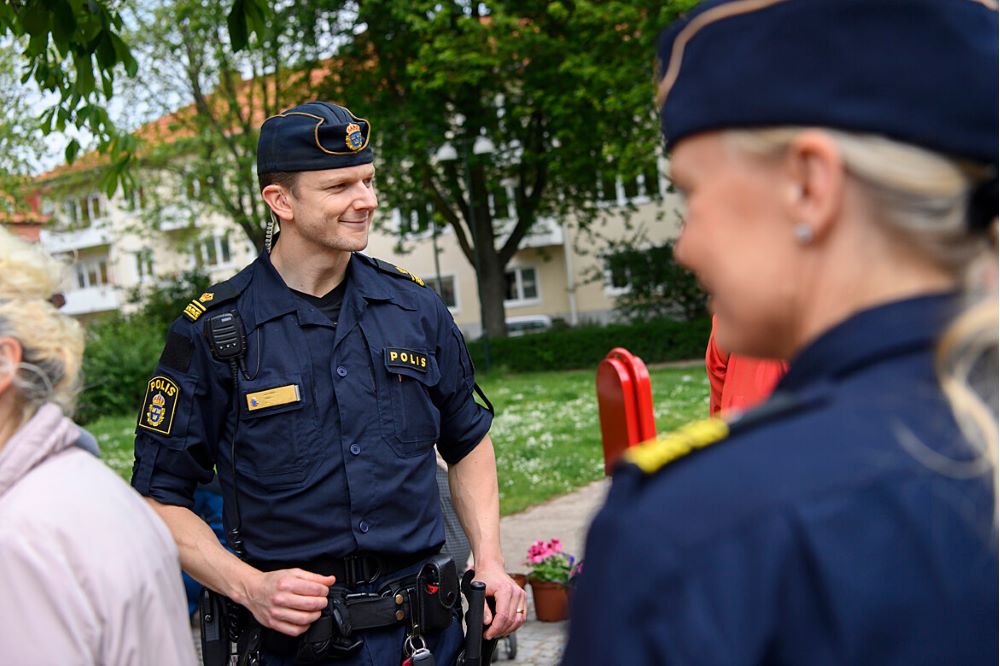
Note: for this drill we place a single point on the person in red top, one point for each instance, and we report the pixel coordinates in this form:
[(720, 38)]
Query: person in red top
[(738, 382)]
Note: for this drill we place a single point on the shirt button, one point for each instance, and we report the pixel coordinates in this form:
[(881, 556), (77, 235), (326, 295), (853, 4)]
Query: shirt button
[(342, 371), (363, 526), (355, 449)]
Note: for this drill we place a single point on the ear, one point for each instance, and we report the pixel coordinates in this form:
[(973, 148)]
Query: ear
[(816, 170), (10, 358), (277, 198)]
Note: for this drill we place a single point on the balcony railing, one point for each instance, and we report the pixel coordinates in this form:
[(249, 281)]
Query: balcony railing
[(545, 233), (57, 242), (91, 299)]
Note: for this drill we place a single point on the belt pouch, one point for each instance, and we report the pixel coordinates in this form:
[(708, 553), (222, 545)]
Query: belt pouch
[(331, 636), (436, 593), (214, 633)]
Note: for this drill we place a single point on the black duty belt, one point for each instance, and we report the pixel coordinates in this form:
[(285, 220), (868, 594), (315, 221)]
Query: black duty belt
[(353, 570)]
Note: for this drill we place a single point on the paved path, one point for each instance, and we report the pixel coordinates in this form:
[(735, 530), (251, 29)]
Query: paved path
[(566, 518)]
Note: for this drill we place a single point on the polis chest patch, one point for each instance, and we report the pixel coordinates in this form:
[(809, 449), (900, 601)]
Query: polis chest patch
[(158, 407), (405, 358)]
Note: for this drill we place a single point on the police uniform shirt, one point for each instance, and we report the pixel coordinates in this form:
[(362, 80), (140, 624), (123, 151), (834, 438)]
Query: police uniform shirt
[(822, 531), (337, 424)]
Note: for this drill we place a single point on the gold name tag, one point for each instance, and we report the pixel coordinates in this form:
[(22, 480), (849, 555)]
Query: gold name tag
[(281, 395)]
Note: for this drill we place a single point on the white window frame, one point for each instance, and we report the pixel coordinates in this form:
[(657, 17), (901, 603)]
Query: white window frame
[(609, 288), (521, 301), (76, 206), (511, 212), (83, 268), (431, 280), (145, 265), (217, 240)]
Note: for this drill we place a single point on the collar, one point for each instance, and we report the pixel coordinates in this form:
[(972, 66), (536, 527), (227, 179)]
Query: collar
[(870, 336), (271, 297)]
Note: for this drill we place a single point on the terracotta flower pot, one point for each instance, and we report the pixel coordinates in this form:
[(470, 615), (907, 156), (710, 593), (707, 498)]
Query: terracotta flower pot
[(551, 600)]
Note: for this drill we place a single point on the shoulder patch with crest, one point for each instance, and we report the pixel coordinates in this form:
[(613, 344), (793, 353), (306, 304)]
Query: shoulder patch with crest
[(158, 407), (655, 454)]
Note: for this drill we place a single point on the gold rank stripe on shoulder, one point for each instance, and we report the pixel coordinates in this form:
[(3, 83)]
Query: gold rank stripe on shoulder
[(410, 275), (193, 310), (656, 453)]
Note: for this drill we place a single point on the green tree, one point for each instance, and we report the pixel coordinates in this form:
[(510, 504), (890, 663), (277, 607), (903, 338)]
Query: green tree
[(656, 286), (563, 90), (74, 49), (21, 139), (205, 152), (121, 350)]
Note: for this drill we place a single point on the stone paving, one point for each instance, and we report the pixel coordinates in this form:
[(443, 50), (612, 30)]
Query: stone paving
[(566, 518)]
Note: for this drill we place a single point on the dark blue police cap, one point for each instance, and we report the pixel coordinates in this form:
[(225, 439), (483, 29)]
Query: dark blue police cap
[(311, 137), (923, 72)]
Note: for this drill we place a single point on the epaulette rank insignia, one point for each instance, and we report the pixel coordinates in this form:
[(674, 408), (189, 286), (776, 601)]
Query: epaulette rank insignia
[(217, 294), (392, 269), (194, 309), (656, 453), (410, 275)]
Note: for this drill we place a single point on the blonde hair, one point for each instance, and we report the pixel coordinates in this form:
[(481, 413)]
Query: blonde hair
[(51, 342), (922, 198)]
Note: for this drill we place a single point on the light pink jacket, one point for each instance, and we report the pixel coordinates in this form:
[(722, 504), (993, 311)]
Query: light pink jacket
[(88, 572)]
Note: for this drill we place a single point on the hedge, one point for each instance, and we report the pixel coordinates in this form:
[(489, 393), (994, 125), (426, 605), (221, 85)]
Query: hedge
[(121, 353), (583, 347)]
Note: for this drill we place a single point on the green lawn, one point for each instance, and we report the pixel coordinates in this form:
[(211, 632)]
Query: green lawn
[(546, 432)]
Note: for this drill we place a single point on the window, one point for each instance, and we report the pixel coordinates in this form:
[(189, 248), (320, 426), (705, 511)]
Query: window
[(81, 211), (414, 220), (446, 290), (144, 264), (645, 184), (212, 252), (522, 285), (92, 273), (608, 187), (70, 213), (500, 203), (137, 199), (617, 273)]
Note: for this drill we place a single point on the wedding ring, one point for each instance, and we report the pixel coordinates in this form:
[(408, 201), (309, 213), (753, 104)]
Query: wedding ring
[(519, 610)]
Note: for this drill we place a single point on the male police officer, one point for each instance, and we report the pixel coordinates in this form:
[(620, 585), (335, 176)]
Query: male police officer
[(317, 382)]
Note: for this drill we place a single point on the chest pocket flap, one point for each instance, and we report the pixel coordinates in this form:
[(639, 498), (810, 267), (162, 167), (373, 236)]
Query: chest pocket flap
[(275, 428), (410, 418), (415, 364)]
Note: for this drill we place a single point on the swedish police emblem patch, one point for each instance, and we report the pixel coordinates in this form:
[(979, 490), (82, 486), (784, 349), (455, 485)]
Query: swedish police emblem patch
[(354, 139), (158, 407)]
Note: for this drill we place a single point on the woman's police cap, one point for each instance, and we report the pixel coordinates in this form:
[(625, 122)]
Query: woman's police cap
[(923, 72), (311, 137)]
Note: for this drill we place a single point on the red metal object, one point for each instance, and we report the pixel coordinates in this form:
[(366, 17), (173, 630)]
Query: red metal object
[(624, 403)]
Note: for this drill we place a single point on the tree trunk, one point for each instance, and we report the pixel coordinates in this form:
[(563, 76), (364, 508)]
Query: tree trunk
[(492, 292)]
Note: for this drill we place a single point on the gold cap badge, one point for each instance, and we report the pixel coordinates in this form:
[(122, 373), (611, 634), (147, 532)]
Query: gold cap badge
[(354, 139)]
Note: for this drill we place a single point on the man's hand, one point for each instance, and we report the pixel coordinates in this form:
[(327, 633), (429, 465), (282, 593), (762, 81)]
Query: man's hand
[(288, 600), (509, 597)]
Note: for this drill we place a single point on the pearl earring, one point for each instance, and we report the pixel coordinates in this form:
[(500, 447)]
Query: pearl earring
[(803, 233)]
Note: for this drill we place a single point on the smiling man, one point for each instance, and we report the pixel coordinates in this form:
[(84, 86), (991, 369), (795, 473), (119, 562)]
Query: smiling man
[(317, 383)]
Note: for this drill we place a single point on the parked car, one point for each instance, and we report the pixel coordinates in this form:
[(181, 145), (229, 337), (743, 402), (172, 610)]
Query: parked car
[(517, 326)]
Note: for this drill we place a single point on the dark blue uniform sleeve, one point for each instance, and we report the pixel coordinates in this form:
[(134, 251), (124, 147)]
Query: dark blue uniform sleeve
[(181, 420), (464, 422)]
